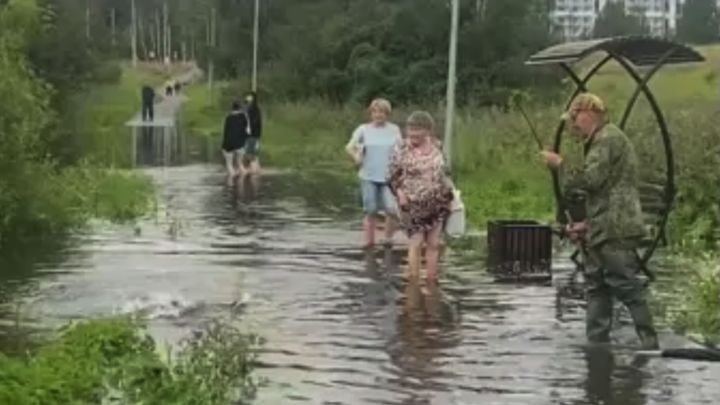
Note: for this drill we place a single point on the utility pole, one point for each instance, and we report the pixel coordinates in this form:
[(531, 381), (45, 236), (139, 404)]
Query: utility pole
[(256, 34), (166, 44), (451, 79), (211, 54), (112, 26), (192, 45), (87, 19), (158, 43), (133, 32)]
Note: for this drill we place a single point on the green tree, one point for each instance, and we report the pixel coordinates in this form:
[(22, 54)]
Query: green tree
[(614, 20), (699, 22)]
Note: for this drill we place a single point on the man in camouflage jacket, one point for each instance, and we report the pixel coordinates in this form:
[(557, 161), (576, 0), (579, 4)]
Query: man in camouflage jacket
[(614, 224)]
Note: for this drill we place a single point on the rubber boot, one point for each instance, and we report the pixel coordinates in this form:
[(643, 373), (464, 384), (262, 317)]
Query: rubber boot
[(598, 318), (644, 325)]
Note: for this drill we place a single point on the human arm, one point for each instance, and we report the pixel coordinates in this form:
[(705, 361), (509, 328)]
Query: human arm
[(597, 167), (353, 146), (396, 174), (258, 124), (226, 127), (254, 117)]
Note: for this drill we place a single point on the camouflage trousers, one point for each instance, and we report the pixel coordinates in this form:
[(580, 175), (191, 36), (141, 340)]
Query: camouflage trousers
[(611, 272)]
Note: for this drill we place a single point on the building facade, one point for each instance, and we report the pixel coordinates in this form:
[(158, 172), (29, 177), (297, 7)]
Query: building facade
[(576, 18)]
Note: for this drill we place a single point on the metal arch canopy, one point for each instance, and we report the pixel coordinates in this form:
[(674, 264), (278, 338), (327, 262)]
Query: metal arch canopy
[(630, 52)]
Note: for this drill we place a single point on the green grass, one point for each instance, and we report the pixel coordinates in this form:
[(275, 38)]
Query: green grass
[(93, 361), (691, 305), (40, 197)]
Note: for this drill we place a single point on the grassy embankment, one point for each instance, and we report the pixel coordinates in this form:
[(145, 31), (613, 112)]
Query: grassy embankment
[(41, 197), (497, 167), (112, 360)]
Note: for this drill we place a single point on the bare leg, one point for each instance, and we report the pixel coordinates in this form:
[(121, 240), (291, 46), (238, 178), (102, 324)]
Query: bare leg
[(414, 250), (255, 166), (229, 164), (241, 162), (432, 252), (369, 229), (390, 226)]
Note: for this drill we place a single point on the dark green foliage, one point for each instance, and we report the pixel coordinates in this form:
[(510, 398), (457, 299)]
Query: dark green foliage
[(699, 23), (615, 21), (115, 361), (353, 50), (48, 151)]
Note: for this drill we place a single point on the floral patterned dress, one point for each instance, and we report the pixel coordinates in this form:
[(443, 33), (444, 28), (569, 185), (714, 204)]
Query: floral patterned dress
[(421, 176)]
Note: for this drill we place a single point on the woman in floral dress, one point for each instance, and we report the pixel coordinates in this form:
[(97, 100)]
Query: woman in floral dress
[(417, 178)]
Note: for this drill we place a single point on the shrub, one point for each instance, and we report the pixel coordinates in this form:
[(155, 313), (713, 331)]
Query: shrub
[(115, 360)]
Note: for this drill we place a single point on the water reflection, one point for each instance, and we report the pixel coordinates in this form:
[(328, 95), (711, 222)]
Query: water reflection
[(426, 331), (157, 146), (609, 381), (337, 332), (245, 188)]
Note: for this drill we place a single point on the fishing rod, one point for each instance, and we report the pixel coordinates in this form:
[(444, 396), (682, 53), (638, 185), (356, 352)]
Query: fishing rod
[(533, 130)]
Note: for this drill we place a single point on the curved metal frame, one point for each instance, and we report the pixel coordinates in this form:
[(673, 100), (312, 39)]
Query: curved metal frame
[(642, 87)]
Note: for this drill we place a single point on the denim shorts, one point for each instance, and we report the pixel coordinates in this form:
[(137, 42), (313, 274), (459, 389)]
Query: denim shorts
[(252, 147), (377, 197)]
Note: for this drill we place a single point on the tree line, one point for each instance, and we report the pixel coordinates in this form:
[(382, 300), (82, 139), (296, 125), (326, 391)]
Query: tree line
[(52, 53), (339, 50)]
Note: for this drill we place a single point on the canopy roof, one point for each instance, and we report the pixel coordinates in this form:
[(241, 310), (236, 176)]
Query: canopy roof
[(638, 50)]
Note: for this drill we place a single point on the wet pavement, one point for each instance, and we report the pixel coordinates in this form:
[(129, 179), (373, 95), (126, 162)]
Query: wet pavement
[(337, 330)]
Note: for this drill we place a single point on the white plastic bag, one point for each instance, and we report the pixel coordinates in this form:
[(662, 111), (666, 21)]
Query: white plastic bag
[(455, 224)]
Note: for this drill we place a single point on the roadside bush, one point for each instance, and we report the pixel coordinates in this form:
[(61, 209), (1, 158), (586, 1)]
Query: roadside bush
[(698, 298), (53, 161), (115, 361)]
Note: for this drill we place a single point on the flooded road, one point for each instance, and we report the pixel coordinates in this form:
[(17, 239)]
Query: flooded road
[(337, 331)]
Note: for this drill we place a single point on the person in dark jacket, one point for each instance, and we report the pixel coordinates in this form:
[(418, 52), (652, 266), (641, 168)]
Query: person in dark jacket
[(148, 100), (235, 135), (252, 146)]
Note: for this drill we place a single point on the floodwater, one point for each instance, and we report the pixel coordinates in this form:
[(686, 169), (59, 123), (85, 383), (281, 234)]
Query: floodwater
[(337, 330)]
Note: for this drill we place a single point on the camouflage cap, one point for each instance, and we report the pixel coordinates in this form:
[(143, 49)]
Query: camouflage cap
[(584, 102)]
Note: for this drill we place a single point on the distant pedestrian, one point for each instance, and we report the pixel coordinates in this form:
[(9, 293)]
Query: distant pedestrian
[(148, 101), (255, 126), (169, 87), (176, 87), (235, 135)]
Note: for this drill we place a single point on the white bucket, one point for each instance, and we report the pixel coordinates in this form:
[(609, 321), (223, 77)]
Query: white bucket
[(455, 225)]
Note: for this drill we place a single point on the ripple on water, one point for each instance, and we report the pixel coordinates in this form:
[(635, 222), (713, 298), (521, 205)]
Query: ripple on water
[(337, 332)]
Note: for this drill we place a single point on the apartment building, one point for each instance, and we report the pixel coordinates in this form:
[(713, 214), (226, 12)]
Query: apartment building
[(576, 18)]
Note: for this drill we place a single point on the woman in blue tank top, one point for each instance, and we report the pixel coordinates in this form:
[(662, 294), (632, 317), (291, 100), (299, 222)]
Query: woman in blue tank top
[(371, 146)]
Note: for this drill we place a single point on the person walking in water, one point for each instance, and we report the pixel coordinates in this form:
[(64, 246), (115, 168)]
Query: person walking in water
[(424, 194), (370, 147), (148, 102), (235, 135), (252, 146), (614, 226)]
